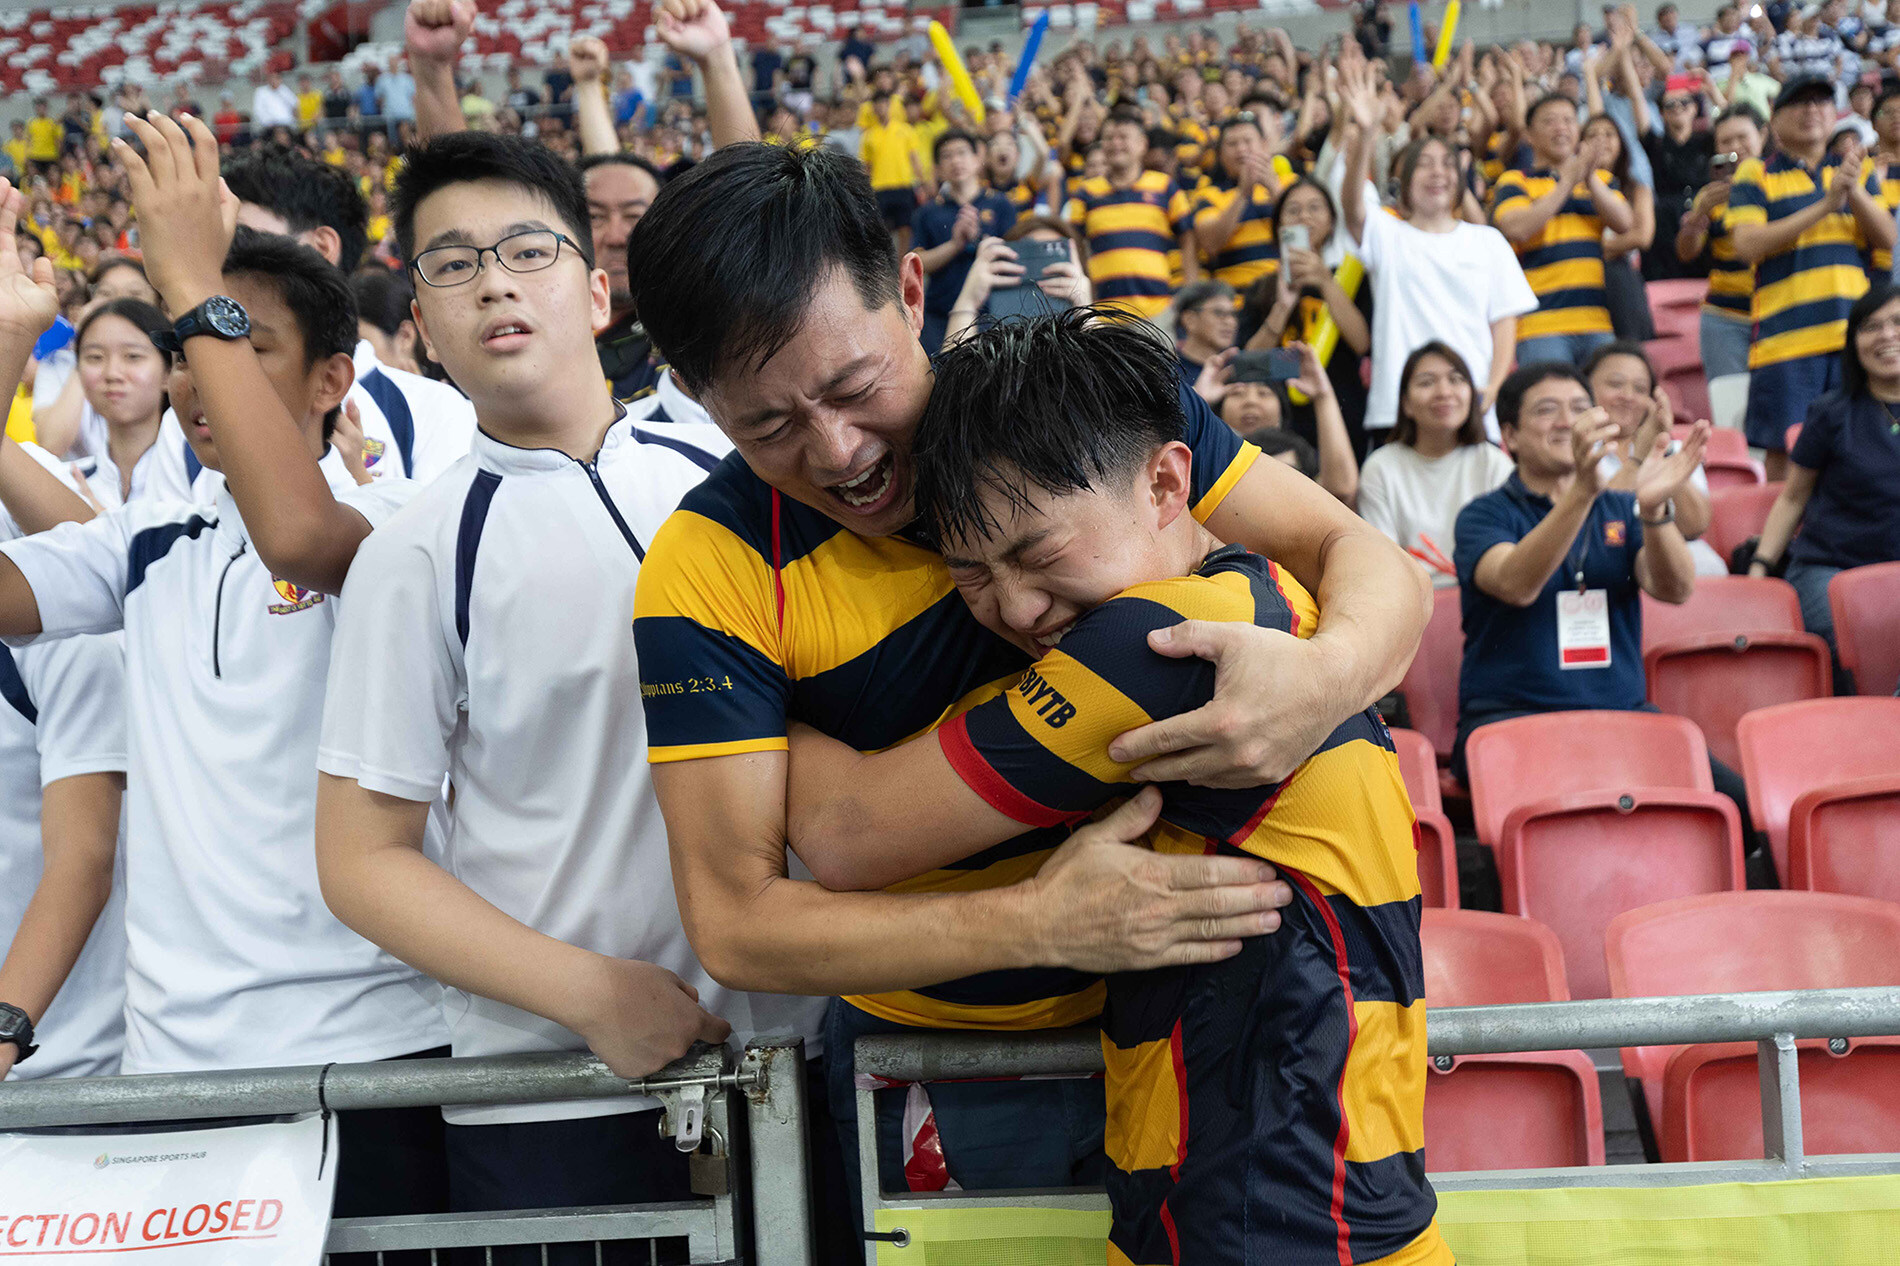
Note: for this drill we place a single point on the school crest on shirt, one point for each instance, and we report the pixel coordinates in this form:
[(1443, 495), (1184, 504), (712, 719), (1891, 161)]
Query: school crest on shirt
[(295, 597), (372, 453), (1613, 533)]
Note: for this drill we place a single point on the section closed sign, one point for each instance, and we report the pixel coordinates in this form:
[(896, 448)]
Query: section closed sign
[(243, 1194)]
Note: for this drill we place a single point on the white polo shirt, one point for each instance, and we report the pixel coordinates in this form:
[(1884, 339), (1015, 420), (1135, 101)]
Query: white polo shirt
[(62, 714), (412, 426), (487, 633), (232, 958)]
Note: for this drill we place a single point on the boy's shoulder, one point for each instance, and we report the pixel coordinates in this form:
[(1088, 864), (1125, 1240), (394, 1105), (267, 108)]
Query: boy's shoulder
[(1232, 585)]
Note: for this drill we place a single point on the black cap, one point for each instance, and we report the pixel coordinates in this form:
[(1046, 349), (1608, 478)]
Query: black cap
[(1804, 88)]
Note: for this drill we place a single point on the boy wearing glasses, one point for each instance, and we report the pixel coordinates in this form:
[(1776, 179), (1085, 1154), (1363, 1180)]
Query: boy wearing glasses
[(490, 640)]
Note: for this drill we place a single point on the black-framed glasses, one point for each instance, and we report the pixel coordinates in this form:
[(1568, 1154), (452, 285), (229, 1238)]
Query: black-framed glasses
[(529, 252)]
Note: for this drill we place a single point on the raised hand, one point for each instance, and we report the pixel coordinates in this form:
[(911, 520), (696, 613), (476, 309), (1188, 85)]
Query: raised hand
[(29, 301), (434, 30), (187, 215), (1312, 382), (692, 28), (1662, 477), (1591, 436), (1357, 94), (1215, 378), (587, 59)]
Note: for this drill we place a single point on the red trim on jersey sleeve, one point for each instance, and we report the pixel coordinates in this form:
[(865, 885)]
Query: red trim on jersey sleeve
[(981, 777)]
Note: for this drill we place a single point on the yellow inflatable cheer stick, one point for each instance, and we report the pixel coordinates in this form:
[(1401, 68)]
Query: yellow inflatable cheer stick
[(1283, 170), (1446, 33), (953, 66), (1349, 274)]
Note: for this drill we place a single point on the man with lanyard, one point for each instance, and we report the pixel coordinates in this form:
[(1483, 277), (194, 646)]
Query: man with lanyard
[(1803, 220), (945, 230), (232, 961), (787, 588), (1552, 565), (620, 186)]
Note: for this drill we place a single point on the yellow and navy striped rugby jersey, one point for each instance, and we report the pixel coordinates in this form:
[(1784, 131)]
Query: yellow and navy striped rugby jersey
[(1802, 294), (1882, 267), (1191, 151), (1132, 232), (1021, 197), (1731, 282), (1346, 1174), (1564, 262), (755, 610), (1251, 253)]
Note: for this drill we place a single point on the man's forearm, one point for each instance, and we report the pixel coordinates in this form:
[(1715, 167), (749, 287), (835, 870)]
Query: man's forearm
[(1527, 222), (728, 106), (936, 258), (1756, 242), (1667, 573), (1876, 221), (1373, 604), (1528, 567), (593, 120), (438, 109)]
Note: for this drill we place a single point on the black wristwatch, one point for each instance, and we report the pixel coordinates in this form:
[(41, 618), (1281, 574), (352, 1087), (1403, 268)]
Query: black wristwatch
[(16, 1028), (220, 316)]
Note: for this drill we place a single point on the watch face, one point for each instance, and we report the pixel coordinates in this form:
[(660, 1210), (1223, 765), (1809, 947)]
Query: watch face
[(226, 317)]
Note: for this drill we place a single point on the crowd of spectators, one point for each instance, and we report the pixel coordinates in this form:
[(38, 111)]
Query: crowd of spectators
[(1423, 288)]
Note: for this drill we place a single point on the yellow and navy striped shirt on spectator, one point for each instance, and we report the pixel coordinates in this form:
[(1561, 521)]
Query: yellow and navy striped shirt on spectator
[(1252, 252), (1022, 196), (1275, 1100), (1132, 232), (1564, 262), (1192, 149), (1882, 266), (1803, 293), (1731, 282), (754, 610)]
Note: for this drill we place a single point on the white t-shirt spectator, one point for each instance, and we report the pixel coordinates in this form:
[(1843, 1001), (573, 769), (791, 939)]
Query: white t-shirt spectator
[(1415, 499), (1444, 286), (274, 107)]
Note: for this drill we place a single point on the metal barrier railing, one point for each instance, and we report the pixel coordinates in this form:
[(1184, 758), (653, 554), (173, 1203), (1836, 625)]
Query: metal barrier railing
[(1774, 1021), (697, 1094)]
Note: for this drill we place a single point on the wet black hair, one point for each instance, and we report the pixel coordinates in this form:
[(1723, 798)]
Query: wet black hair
[(1060, 403), (306, 192), (382, 298), (725, 262)]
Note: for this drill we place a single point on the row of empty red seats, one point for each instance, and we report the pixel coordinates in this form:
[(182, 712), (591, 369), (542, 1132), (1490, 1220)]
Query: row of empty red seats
[(1544, 1109), (42, 50)]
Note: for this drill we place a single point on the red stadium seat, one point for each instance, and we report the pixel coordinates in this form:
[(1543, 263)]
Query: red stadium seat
[(1534, 1110), (1437, 847), (1797, 747), (1737, 513), (1745, 942), (1723, 443), (1534, 758), (1688, 392), (1430, 686), (1845, 837), (1726, 472), (1682, 292), (1717, 678), (1866, 605), (1575, 862), (1724, 604)]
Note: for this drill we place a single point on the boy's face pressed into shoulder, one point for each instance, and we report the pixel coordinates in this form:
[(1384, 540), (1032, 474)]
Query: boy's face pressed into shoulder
[(1044, 559)]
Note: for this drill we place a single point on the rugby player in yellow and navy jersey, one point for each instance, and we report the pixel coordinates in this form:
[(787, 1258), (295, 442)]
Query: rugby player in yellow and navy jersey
[(786, 589), (1233, 211), (1555, 214), (1804, 221), (1269, 1107)]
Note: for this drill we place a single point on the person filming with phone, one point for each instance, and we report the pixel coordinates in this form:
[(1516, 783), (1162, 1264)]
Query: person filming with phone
[(945, 231), (1291, 305), (1038, 269), (1726, 323)]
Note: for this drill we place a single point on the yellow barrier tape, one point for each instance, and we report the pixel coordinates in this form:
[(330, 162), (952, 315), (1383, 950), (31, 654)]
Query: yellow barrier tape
[(1814, 1222)]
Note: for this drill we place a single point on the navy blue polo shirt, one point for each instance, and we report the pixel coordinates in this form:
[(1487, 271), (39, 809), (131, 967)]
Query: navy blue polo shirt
[(1510, 659), (1852, 444), (931, 226)]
